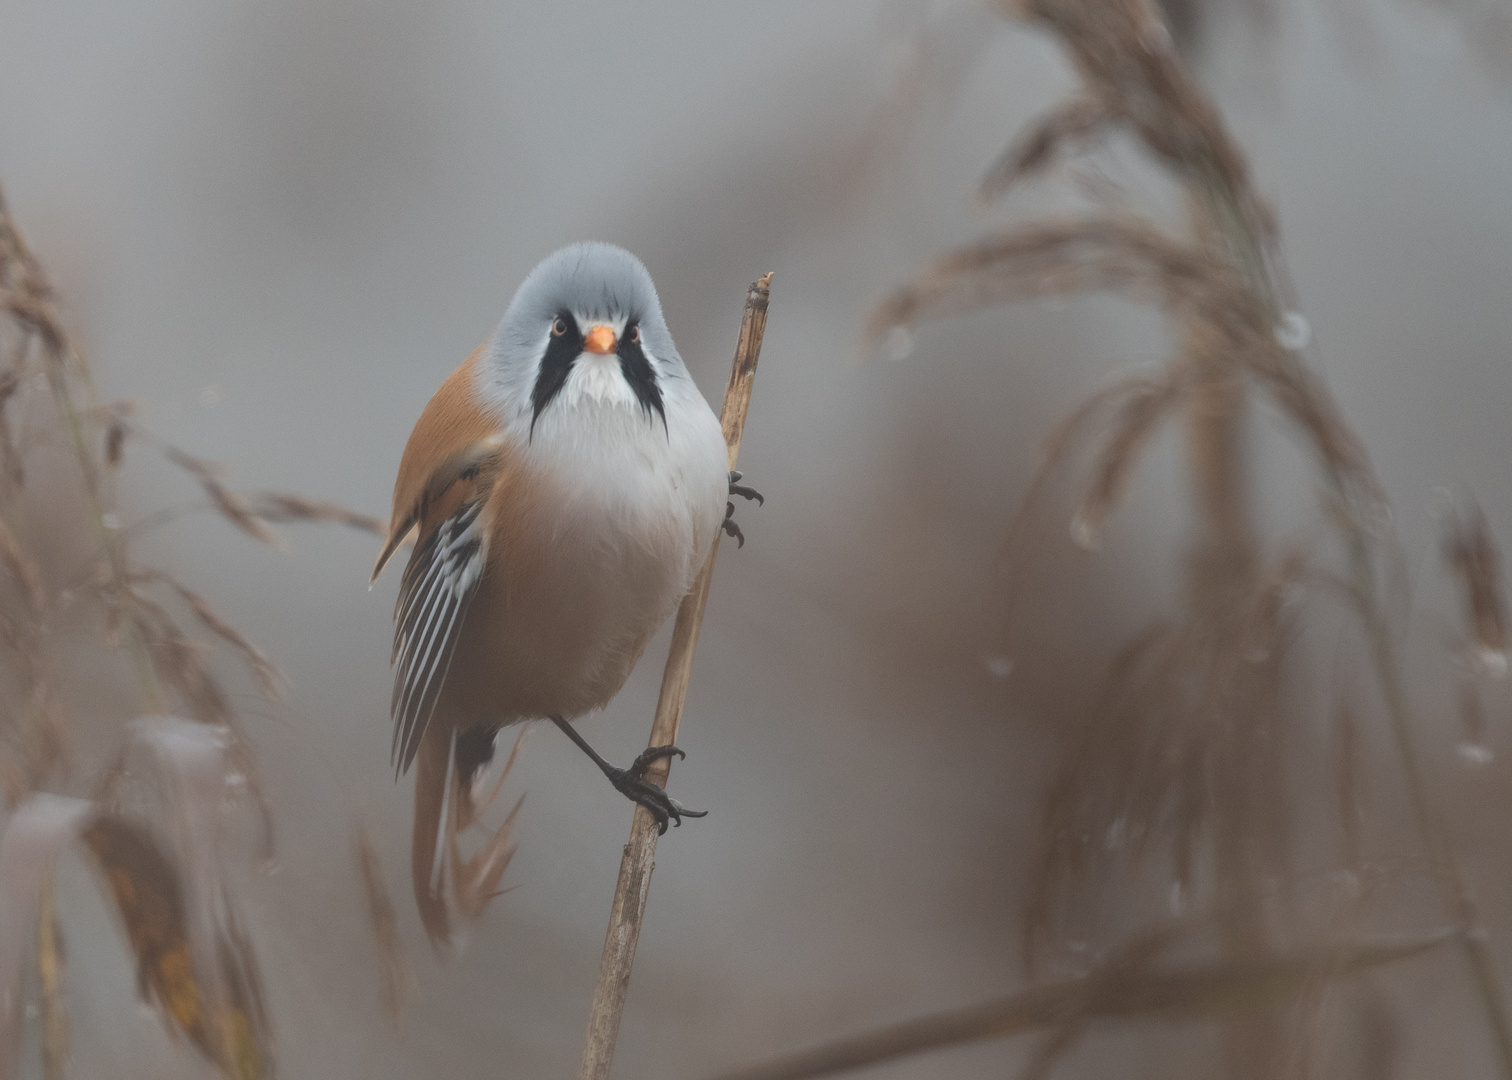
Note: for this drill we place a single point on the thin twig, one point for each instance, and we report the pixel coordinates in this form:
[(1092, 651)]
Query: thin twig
[(1187, 992), (637, 863)]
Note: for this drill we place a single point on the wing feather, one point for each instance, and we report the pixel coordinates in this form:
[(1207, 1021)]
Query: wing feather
[(438, 586), (439, 583)]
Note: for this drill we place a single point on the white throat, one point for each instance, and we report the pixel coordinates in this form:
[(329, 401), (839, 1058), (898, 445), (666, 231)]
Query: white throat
[(597, 378)]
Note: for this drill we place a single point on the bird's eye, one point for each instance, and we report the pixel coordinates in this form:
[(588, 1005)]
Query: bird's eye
[(634, 336), (558, 328)]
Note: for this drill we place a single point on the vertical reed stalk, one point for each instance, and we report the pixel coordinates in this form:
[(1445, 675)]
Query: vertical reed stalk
[(634, 882), (1221, 579), (1460, 899), (50, 971)]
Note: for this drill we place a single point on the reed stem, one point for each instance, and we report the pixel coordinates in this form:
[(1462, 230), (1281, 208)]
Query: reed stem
[(636, 864)]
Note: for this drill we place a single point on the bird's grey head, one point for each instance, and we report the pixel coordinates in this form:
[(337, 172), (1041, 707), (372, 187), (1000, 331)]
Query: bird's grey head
[(584, 329)]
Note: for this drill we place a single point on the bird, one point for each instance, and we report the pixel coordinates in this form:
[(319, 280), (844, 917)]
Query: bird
[(562, 488)]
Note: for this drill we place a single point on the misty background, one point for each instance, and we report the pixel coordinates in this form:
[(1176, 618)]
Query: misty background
[(278, 226)]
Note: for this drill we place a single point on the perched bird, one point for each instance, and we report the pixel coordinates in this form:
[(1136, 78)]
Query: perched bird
[(563, 488)]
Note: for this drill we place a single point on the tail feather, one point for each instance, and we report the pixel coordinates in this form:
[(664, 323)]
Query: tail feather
[(427, 868)]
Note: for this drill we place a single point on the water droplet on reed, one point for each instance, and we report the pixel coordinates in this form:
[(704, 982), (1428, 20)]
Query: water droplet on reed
[(898, 345), (1475, 754), (1176, 899), (1293, 331), (1492, 662), (1155, 37), (999, 667), (110, 521), (1086, 533)]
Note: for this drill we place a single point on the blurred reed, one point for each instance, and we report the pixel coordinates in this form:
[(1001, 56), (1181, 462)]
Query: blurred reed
[(152, 824), (1180, 783)]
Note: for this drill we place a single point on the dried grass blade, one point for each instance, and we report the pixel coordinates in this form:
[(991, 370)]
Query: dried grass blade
[(1126, 254), (1056, 449), (115, 418), (27, 294), (1090, 798), (149, 896), (1074, 120), (1122, 50), (24, 570), (1302, 397), (11, 468), (37, 830), (263, 669), (1194, 992), (183, 926), (50, 970), (1471, 553), (178, 662), (395, 977), (1136, 423), (282, 507), (230, 505), (115, 443)]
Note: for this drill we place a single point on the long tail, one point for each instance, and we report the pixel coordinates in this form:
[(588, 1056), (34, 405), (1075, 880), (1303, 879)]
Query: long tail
[(427, 854)]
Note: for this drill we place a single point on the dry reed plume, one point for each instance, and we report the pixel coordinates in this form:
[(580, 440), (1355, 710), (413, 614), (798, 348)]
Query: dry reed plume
[(1177, 785), (151, 823)]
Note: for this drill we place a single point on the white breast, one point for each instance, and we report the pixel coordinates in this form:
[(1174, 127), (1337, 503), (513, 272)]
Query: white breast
[(633, 509)]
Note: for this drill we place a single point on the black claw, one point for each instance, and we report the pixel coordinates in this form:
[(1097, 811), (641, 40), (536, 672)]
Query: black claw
[(653, 753), (635, 787), (744, 492), (632, 782), (729, 526)]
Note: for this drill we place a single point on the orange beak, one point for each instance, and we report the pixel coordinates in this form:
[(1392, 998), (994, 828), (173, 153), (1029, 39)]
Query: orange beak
[(600, 339)]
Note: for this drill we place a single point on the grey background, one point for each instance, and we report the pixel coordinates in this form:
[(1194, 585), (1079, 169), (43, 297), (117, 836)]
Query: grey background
[(279, 225)]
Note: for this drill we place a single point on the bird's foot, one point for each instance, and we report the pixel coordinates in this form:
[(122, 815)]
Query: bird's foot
[(632, 784), (736, 488), (736, 476)]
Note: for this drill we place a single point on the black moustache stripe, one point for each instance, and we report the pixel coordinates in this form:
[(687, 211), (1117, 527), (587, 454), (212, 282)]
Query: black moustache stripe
[(556, 365), (641, 375), (562, 351)]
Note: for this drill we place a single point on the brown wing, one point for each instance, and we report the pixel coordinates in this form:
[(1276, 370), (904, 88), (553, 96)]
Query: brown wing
[(444, 480), (451, 422)]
